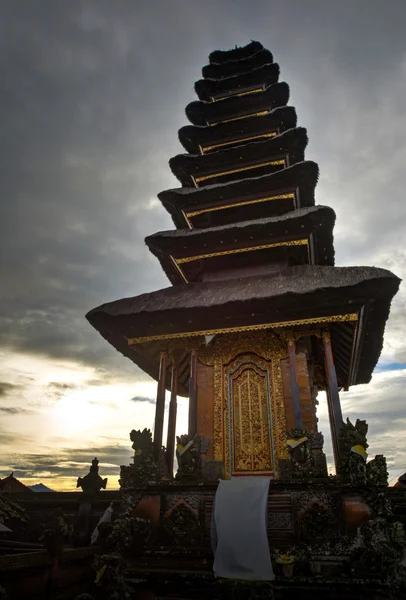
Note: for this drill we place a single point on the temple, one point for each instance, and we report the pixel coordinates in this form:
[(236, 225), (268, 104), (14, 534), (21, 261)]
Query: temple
[(257, 319)]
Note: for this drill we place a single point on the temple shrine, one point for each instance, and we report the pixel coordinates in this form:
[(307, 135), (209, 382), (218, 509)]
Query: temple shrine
[(257, 320)]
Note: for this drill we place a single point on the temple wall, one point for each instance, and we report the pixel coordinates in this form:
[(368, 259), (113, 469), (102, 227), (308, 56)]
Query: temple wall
[(205, 404)]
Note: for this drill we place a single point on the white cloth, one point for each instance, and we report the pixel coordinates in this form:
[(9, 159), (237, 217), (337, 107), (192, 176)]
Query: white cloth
[(239, 536), (105, 518)]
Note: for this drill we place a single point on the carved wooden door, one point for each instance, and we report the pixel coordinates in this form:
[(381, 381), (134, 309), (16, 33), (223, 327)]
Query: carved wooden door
[(250, 418)]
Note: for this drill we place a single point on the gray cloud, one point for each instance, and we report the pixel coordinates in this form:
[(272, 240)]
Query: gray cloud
[(143, 399), (8, 388), (68, 462), (93, 96), (14, 410)]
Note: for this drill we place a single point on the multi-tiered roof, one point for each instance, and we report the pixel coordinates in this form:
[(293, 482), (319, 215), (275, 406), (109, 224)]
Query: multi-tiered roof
[(250, 250)]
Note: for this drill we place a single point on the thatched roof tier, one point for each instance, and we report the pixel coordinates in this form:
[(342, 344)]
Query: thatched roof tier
[(244, 199), (248, 160), (143, 326), (11, 485), (235, 107), (267, 245), (230, 69), (219, 57), (218, 89), (197, 140)]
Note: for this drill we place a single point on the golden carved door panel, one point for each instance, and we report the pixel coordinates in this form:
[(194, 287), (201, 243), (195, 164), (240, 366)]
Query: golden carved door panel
[(249, 417)]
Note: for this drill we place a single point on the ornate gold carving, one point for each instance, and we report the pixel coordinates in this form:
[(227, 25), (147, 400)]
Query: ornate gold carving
[(279, 161), (279, 421), (271, 134), (264, 343), (247, 389), (254, 91), (256, 327), (220, 418), (262, 113), (181, 273), (264, 348), (187, 259), (326, 336), (297, 334)]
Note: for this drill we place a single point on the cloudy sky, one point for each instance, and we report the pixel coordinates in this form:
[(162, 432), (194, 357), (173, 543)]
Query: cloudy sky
[(92, 95)]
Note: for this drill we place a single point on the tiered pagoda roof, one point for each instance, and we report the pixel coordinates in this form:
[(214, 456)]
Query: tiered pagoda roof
[(251, 250)]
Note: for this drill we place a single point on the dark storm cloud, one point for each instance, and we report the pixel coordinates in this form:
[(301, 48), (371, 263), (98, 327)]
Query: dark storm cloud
[(92, 96), (8, 388)]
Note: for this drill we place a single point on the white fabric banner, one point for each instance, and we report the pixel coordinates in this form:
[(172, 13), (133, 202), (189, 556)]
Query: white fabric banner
[(239, 536)]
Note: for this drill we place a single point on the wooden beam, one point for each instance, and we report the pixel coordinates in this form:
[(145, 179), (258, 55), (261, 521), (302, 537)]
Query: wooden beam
[(297, 409), (170, 443), (160, 407), (193, 394), (333, 397)]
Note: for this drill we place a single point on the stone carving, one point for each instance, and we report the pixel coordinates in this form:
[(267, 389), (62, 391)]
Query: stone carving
[(188, 457), (280, 520), (129, 534), (377, 472), (144, 470), (306, 458), (317, 524), (182, 526), (331, 500), (379, 548), (351, 436), (56, 533), (92, 482), (357, 468), (379, 502)]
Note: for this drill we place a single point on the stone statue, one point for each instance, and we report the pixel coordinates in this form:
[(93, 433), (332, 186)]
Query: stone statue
[(92, 482), (188, 456), (306, 458), (351, 436), (144, 469), (377, 472)]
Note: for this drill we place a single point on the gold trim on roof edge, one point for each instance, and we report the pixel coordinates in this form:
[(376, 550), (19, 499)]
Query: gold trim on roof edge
[(261, 113), (258, 327), (181, 261), (254, 91), (181, 273), (279, 161), (196, 213), (271, 134)]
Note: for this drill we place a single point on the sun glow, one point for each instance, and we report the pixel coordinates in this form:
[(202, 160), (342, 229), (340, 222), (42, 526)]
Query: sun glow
[(75, 413)]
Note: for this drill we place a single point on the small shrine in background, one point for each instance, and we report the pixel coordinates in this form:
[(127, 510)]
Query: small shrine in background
[(257, 320)]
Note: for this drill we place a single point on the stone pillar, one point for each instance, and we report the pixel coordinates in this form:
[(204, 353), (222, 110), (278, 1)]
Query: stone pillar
[(333, 397), (193, 394), (297, 409), (170, 443), (160, 407)]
